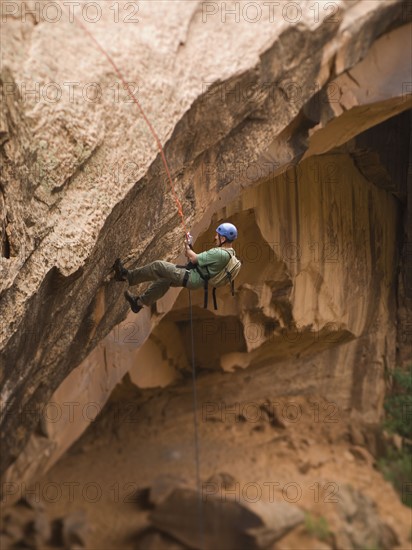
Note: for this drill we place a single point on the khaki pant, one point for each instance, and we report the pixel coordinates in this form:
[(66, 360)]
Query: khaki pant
[(164, 275)]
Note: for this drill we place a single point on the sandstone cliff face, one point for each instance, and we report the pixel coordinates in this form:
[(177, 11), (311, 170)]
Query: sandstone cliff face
[(272, 128)]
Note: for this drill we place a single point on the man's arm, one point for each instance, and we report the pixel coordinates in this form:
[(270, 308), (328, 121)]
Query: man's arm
[(190, 254)]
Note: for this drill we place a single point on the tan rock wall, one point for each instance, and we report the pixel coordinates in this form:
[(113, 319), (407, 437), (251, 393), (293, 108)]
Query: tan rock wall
[(315, 304), (57, 304)]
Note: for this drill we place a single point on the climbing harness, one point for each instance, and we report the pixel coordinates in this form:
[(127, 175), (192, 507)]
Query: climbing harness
[(226, 276), (189, 241)]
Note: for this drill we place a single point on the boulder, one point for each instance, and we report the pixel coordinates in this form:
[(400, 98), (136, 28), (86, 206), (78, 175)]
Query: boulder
[(209, 523), (363, 527)]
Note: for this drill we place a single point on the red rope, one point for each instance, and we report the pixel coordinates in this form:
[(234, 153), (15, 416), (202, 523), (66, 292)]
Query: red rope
[(126, 86)]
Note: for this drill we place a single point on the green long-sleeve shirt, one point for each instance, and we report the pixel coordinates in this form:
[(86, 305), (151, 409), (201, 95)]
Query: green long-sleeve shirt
[(211, 262)]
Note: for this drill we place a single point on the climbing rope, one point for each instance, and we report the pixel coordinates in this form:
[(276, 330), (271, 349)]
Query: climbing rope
[(180, 211), (149, 124), (196, 431)]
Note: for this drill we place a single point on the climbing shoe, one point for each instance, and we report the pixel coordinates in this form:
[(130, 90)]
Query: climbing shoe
[(120, 272), (133, 301)]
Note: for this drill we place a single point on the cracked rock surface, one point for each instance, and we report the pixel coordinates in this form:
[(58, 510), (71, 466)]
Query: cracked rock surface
[(275, 125)]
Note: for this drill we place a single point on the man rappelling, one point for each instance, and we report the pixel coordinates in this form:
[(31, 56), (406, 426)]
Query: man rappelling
[(217, 266)]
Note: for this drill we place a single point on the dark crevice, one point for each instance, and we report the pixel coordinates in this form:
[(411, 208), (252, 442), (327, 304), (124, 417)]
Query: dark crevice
[(349, 74), (78, 170), (5, 244)]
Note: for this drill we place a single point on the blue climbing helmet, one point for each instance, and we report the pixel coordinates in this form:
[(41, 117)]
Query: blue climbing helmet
[(227, 230)]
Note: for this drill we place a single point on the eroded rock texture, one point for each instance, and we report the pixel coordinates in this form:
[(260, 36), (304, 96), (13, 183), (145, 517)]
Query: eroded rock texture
[(298, 132)]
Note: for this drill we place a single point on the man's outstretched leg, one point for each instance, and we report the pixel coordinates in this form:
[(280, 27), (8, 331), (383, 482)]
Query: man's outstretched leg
[(157, 271), (164, 275)]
